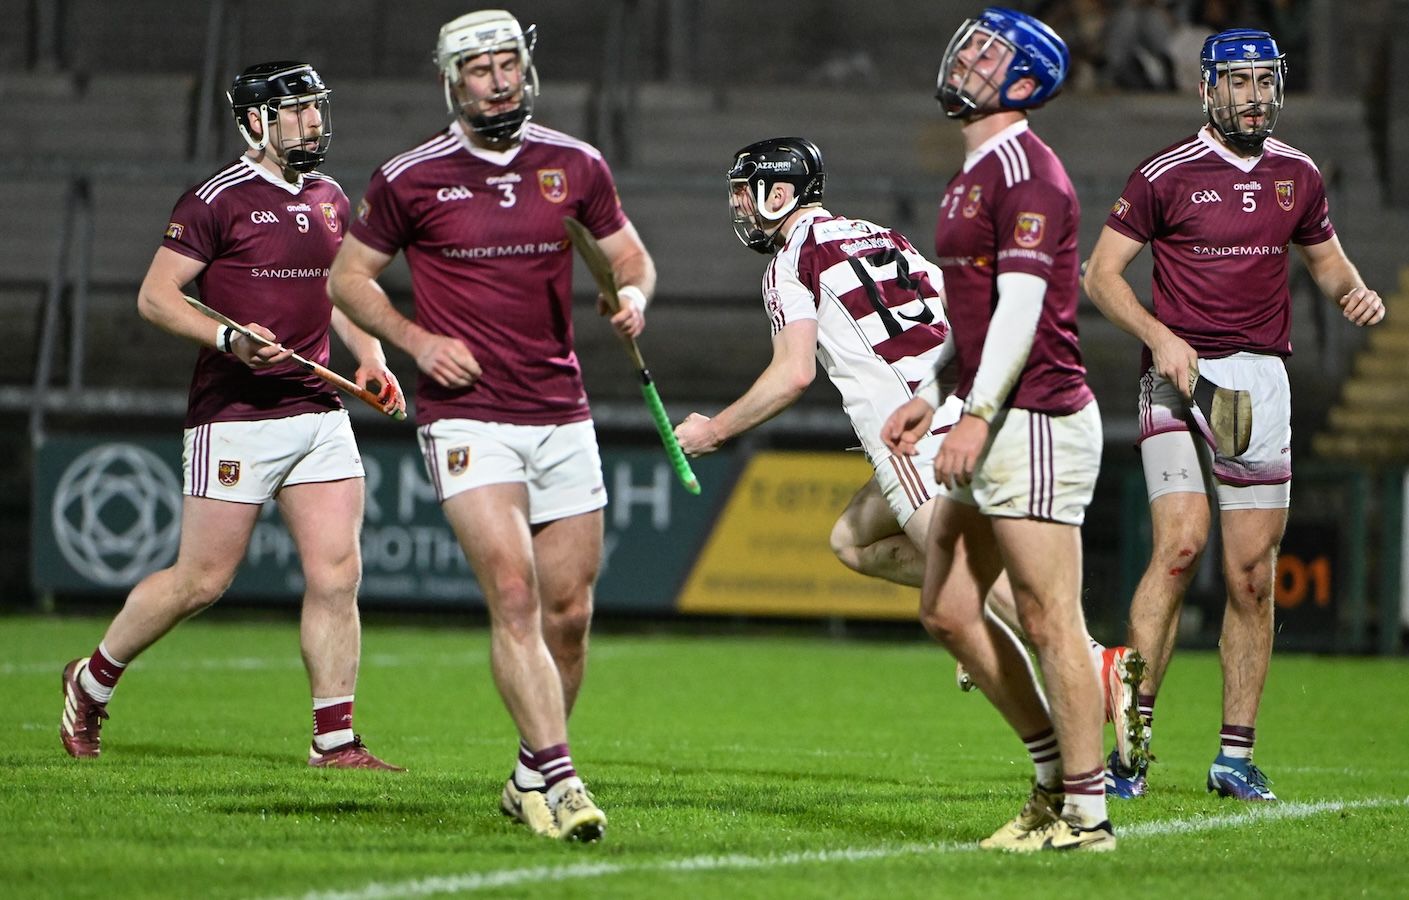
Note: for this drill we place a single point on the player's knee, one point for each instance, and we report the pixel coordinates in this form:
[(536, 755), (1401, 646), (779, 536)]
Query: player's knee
[(566, 626), (942, 624), (1179, 553), (1250, 582), (843, 544), (200, 590), (334, 585), (513, 603)]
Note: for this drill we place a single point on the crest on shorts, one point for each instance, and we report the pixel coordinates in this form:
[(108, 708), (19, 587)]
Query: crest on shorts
[(330, 215), (228, 472), (174, 230), (457, 460), (1286, 194), (554, 184), (1029, 229), (971, 204), (1122, 206)]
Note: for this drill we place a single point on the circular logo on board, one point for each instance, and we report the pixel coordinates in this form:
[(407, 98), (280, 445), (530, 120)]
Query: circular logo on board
[(117, 514)]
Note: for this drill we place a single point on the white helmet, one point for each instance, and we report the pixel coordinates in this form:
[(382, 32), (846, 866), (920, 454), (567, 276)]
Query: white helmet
[(477, 33)]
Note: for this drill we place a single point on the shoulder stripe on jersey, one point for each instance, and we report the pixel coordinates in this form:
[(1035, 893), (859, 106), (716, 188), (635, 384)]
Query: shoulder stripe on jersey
[(1014, 159), (1181, 154), (1284, 149), (230, 177), (441, 145), (319, 176), (559, 139)]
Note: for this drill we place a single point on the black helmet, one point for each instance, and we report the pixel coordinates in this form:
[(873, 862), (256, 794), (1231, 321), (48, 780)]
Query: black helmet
[(761, 165), (268, 86)]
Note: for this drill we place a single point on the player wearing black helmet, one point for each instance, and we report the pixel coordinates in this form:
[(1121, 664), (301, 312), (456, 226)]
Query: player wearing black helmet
[(257, 238), (281, 108)]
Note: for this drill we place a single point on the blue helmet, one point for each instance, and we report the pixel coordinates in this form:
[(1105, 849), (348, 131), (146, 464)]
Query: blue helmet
[(1233, 91), (1035, 51)]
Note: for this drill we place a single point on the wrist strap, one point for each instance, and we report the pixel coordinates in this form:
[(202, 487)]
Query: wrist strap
[(224, 334)]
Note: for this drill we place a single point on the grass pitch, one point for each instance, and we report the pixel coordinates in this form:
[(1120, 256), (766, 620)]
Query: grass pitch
[(728, 767)]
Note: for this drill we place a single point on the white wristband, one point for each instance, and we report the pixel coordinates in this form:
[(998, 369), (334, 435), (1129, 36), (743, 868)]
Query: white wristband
[(224, 334), (638, 296)]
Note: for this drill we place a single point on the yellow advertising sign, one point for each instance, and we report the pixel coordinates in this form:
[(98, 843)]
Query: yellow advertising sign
[(770, 553)]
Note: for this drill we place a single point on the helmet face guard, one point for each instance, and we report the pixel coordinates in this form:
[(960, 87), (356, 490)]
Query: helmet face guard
[(1244, 75), (488, 32), (975, 59), (756, 170), (268, 88)]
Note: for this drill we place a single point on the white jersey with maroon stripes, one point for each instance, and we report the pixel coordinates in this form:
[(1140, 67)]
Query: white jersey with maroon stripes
[(879, 310)]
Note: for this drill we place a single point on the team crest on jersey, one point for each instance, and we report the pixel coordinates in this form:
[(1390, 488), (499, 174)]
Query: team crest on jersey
[(330, 215), (1286, 194), (457, 460), (554, 184), (228, 472), (364, 209), (174, 230), (971, 204), (1122, 206), (1029, 229)]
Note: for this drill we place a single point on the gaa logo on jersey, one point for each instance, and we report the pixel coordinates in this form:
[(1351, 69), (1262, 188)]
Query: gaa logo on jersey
[(457, 460), (330, 215), (228, 472), (174, 230), (1286, 194), (1029, 229), (554, 184), (1122, 206), (971, 204)]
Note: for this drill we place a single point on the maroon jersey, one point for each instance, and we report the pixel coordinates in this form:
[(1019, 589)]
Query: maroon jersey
[(267, 246), (1012, 208), (491, 263), (1219, 227)]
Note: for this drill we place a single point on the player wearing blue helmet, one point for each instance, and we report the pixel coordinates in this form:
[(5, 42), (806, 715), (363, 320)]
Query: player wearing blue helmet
[(1243, 76), (1221, 208), (1035, 54), (1021, 462)]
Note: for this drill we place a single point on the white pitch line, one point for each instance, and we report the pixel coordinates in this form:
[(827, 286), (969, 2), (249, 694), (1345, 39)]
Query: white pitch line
[(288, 661), (482, 881)]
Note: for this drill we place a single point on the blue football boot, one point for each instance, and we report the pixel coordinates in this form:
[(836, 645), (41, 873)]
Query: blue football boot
[(1239, 778), (1123, 783)]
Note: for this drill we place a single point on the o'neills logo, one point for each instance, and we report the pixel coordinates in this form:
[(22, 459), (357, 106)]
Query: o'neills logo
[(554, 184), (457, 460), (228, 472)]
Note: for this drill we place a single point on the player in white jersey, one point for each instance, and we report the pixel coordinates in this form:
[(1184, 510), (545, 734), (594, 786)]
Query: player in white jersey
[(504, 423), (861, 300)]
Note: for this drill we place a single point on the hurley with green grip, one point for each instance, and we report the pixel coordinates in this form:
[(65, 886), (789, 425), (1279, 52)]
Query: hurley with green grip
[(601, 271)]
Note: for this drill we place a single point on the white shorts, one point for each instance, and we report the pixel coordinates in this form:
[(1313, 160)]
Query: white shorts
[(1037, 466), (248, 462), (559, 463), (907, 482), (1180, 462)]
